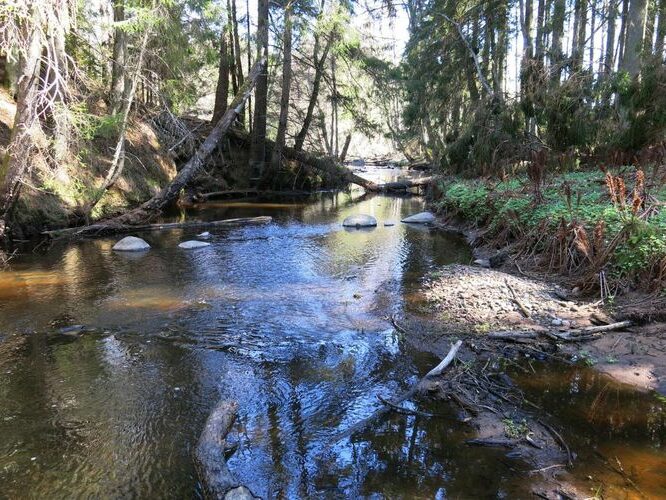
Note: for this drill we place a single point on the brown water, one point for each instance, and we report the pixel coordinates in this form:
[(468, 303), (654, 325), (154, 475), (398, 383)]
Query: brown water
[(288, 319)]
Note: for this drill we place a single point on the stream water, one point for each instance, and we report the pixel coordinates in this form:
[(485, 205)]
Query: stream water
[(288, 319)]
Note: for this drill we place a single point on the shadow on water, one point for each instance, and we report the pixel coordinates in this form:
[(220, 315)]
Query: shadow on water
[(289, 319), (617, 431)]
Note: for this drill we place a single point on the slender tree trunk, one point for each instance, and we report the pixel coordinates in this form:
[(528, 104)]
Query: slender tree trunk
[(249, 63), (557, 54), (661, 31), (119, 59), (622, 43), (609, 58), (233, 69), (316, 83), (593, 19), (237, 52), (541, 28), (345, 148), (580, 28), (286, 87), (222, 89), (258, 146), (631, 60)]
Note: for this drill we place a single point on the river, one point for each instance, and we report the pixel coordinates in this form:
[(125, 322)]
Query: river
[(111, 362)]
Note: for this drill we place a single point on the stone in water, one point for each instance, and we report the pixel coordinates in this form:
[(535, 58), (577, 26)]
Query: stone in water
[(188, 245), (205, 234), (389, 223), (360, 220), (131, 244), (420, 218)]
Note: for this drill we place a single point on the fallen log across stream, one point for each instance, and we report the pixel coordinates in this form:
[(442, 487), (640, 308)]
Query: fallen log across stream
[(107, 228), (209, 456), (390, 405)]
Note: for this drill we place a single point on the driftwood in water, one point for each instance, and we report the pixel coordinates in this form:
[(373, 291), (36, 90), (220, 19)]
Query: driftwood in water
[(391, 404), (209, 456), (402, 185), (109, 228)]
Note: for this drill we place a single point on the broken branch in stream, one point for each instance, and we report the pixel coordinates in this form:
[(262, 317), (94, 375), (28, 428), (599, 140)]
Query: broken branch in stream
[(390, 404), (209, 456)]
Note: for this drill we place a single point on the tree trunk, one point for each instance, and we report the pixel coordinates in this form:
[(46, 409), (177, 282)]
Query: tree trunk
[(622, 43), (249, 62), (557, 54), (541, 28), (119, 58), (222, 90), (237, 53), (661, 32), (345, 147), (286, 87), (609, 57), (631, 60), (316, 83), (580, 25), (26, 122), (233, 69), (593, 19), (258, 147)]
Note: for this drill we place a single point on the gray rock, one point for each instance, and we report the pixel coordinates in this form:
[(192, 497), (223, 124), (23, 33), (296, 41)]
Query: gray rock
[(188, 245), (360, 220), (483, 263), (499, 258), (205, 234), (389, 223), (420, 218), (131, 244)]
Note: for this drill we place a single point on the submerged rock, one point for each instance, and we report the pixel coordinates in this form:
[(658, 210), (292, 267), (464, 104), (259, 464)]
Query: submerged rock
[(131, 244), (205, 234), (389, 223), (188, 245), (360, 220), (420, 218)]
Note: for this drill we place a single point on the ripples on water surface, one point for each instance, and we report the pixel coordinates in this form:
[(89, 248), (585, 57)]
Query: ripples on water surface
[(287, 319)]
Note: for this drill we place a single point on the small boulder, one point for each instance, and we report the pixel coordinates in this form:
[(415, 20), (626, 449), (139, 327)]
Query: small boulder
[(360, 220), (131, 244), (389, 223), (189, 245), (483, 263), (420, 218), (205, 234)]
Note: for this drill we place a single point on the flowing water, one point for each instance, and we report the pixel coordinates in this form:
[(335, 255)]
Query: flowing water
[(110, 364)]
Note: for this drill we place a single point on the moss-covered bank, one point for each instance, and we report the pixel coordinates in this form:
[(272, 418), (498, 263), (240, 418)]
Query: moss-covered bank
[(603, 229)]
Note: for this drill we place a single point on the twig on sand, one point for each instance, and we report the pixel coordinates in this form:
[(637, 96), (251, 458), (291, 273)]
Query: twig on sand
[(559, 439), (515, 300)]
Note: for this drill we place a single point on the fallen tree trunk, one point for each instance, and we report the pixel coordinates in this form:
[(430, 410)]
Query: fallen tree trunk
[(402, 185), (217, 479), (191, 168), (391, 404), (324, 164), (101, 229)]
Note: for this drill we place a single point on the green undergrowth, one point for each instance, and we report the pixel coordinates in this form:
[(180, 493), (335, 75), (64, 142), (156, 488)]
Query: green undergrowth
[(510, 213)]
